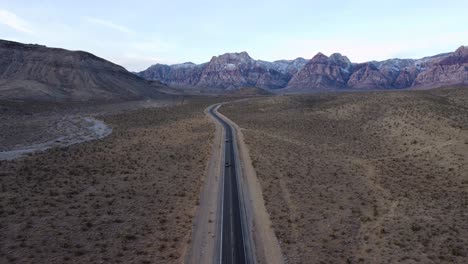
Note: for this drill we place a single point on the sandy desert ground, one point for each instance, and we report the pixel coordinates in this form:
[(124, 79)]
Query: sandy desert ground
[(127, 198), (363, 177), (41, 125)]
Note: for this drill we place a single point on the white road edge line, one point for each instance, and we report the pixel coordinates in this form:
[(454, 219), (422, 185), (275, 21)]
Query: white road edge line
[(215, 108)]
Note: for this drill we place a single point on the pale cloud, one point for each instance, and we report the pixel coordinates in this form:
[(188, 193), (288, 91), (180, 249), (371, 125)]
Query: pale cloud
[(111, 25), (13, 21)]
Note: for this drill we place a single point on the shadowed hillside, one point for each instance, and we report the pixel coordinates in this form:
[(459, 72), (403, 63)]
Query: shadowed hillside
[(34, 72)]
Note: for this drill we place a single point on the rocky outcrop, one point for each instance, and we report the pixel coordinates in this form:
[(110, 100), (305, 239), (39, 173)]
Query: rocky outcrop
[(34, 72), (227, 71), (323, 72), (368, 76), (448, 70), (406, 77), (185, 74), (290, 67)]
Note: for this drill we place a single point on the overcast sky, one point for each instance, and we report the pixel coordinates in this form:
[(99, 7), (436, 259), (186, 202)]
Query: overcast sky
[(137, 34)]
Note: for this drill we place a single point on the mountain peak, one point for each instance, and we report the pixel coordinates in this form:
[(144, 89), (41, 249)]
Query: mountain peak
[(320, 54), (243, 55), (319, 58), (340, 59), (183, 65), (337, 55), (462, 50), (234, 58)]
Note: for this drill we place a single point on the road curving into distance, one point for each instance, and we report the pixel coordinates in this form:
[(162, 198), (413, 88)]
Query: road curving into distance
[(233, 248), (231, 224)]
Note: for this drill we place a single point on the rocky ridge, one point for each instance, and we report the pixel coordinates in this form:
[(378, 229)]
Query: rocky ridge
[(336, 72), (35, 72), (227, 71)]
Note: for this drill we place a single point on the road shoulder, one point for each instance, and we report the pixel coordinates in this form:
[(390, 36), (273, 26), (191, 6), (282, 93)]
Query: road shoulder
[(205, 241)]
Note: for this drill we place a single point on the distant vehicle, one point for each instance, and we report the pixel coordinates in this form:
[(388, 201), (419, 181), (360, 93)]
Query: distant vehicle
[(227, 164)]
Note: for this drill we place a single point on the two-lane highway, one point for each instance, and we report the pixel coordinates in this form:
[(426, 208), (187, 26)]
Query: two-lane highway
[(232, 248)]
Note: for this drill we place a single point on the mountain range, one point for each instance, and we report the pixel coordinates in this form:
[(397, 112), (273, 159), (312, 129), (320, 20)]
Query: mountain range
[(36, 72), (321, 73), (227, 71)]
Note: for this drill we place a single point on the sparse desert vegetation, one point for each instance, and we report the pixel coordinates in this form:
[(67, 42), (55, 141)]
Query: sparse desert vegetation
[(25, 123), (363, 177), (128, 198)]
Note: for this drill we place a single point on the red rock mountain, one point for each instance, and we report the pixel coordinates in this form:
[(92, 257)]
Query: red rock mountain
[(451, 69), (234, 70), (226, 72), (185, 74), (323, 72)]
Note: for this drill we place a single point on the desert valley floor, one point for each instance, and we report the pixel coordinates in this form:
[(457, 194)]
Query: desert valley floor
[(127, 198), (363, 177), (372, 177)]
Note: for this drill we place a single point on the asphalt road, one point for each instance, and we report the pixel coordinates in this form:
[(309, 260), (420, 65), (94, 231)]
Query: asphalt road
[(232, 248)]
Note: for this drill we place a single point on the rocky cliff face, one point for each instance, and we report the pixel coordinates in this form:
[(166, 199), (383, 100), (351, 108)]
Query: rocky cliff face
[(227, 71), (34, 72), (185, 74), (323, 72), (451, 69), (368, 76), (336, 72), (234, 70)]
